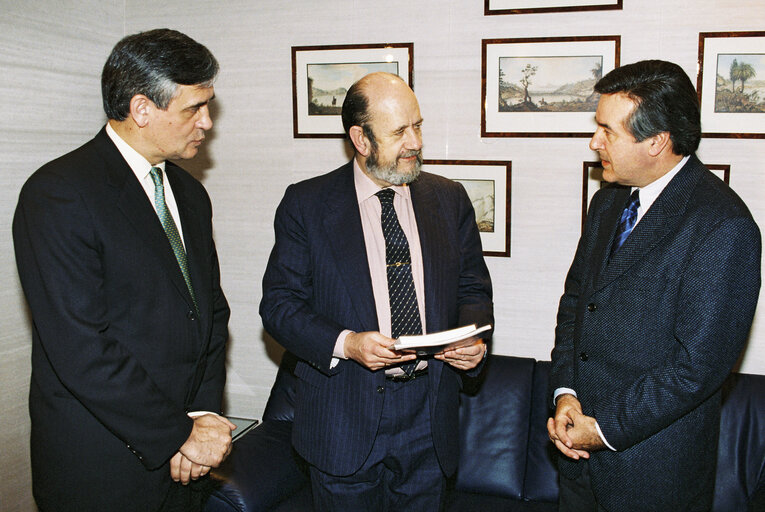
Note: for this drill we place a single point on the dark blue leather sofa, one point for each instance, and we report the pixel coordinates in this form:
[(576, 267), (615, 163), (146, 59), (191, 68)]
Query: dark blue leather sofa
[(507, 462)]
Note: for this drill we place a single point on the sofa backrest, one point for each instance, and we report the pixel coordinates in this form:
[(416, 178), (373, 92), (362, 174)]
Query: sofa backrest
[(505, 450)]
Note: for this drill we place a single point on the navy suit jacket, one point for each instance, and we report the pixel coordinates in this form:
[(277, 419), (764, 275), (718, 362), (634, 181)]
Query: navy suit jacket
[(317, 284), (647, 338), (119, 353)]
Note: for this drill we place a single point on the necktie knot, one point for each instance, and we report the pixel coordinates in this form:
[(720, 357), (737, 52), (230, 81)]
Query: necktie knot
[(386, 196), (156, 176)]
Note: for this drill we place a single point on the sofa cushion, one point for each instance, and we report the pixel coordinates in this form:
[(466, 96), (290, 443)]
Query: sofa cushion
[(741, 450), (494, 428), (541, 483)]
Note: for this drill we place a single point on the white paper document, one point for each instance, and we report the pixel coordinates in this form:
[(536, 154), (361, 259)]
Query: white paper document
[(433, 343)]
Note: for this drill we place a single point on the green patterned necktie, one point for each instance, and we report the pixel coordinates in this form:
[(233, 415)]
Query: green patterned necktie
[(171, 230)]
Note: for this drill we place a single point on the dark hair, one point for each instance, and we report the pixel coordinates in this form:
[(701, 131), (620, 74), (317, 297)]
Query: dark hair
[(355, 111), (153, 63), (665, 99)]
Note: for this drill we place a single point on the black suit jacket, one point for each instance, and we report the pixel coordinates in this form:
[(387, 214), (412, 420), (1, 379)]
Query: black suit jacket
[(317, 283), (647, 338), (119, 353)]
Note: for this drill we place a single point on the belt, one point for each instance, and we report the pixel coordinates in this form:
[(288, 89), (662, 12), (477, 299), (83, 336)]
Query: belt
[(403, 377)]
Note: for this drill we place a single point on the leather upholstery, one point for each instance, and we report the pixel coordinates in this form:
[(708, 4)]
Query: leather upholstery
[(506, 460)]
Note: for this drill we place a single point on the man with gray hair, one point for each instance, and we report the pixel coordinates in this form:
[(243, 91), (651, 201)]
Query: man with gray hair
[(116, 257)]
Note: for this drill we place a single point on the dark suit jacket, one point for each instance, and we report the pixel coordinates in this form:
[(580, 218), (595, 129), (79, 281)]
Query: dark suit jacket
[(647, 339), (119, 354), (317, 283)]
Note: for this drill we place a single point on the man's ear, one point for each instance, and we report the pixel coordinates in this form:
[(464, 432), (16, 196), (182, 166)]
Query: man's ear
[(659, 143), (141, 109), (359, 140)]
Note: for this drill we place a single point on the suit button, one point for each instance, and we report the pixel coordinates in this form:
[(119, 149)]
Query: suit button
[(191, 315), (583, 356), (380, 389), (591, 307)]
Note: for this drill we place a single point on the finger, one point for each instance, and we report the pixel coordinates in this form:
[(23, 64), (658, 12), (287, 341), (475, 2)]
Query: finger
[(175, 467), (204, 470), (196, 471), (185, 470)]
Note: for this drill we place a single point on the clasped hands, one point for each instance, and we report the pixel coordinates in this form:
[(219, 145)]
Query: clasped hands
[(375, 351), (572, 432), (207, 446)]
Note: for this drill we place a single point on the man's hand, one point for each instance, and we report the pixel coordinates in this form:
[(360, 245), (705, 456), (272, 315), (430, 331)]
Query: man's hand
[(373, 350), (572, 432), (183, 470), (208, 444), (465, 357)]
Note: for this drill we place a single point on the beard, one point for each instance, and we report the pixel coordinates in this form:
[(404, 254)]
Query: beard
[(388, 171)]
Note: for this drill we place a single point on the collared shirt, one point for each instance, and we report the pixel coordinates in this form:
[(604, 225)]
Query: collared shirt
[(369, 206), (142, 168), (648, 195)]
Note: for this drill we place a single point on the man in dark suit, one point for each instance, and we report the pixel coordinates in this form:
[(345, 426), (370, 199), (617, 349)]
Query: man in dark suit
[(116, 257), (377, 436), (656, 310)]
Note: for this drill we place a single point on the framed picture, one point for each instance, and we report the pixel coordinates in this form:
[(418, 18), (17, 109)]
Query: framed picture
[(488, 186), (321, 75), (542, 6), (721, 170), (543, 87), (731, 84), (592, 180)]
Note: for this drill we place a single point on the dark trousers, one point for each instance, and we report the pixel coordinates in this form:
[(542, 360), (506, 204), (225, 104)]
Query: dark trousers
[(401, 472)]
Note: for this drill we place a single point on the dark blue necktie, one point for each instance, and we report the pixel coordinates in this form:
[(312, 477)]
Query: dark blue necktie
[(626, 222), (404, 310)]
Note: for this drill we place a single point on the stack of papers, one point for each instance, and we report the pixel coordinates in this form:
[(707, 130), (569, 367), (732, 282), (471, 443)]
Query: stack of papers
[(436, 342)]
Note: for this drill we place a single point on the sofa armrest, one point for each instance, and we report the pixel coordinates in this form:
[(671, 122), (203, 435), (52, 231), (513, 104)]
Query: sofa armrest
[(261, 471)]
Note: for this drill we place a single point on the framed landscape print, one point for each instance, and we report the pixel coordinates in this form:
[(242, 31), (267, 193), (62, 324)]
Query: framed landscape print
[(488, 186), (321, 75), (731, 84), (543, 87), (542, 6)]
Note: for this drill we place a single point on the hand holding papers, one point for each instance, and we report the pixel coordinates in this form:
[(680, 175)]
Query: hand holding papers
[(427, 344)]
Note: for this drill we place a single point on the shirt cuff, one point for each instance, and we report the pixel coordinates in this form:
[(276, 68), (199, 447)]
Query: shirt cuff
[(339, 352), (562, 391), (603, 438)]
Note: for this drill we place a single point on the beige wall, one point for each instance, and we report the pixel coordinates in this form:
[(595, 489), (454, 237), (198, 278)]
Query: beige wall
[(52, 57)]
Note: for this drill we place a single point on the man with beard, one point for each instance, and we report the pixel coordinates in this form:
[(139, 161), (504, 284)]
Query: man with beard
[(377, 426)]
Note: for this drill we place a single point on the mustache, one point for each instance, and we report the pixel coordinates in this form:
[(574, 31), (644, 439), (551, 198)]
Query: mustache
[(412, 152)]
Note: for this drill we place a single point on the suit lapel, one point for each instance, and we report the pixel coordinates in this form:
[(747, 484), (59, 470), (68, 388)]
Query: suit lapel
[(425, 204), (660, 220), (136, 207), (429, 228), (347, 244)]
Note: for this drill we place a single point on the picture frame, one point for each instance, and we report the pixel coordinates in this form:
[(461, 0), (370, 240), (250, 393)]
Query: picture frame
[(543, 87), (493, 7), (731, 84), (592, 180), (322, 74), (488, 183)]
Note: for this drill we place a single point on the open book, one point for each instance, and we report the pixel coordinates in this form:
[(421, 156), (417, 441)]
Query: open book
[(433, 343)]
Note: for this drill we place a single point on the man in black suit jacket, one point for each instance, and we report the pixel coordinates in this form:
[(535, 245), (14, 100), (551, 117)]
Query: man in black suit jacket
[(652, 320), (375, 437), (128, 348)]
